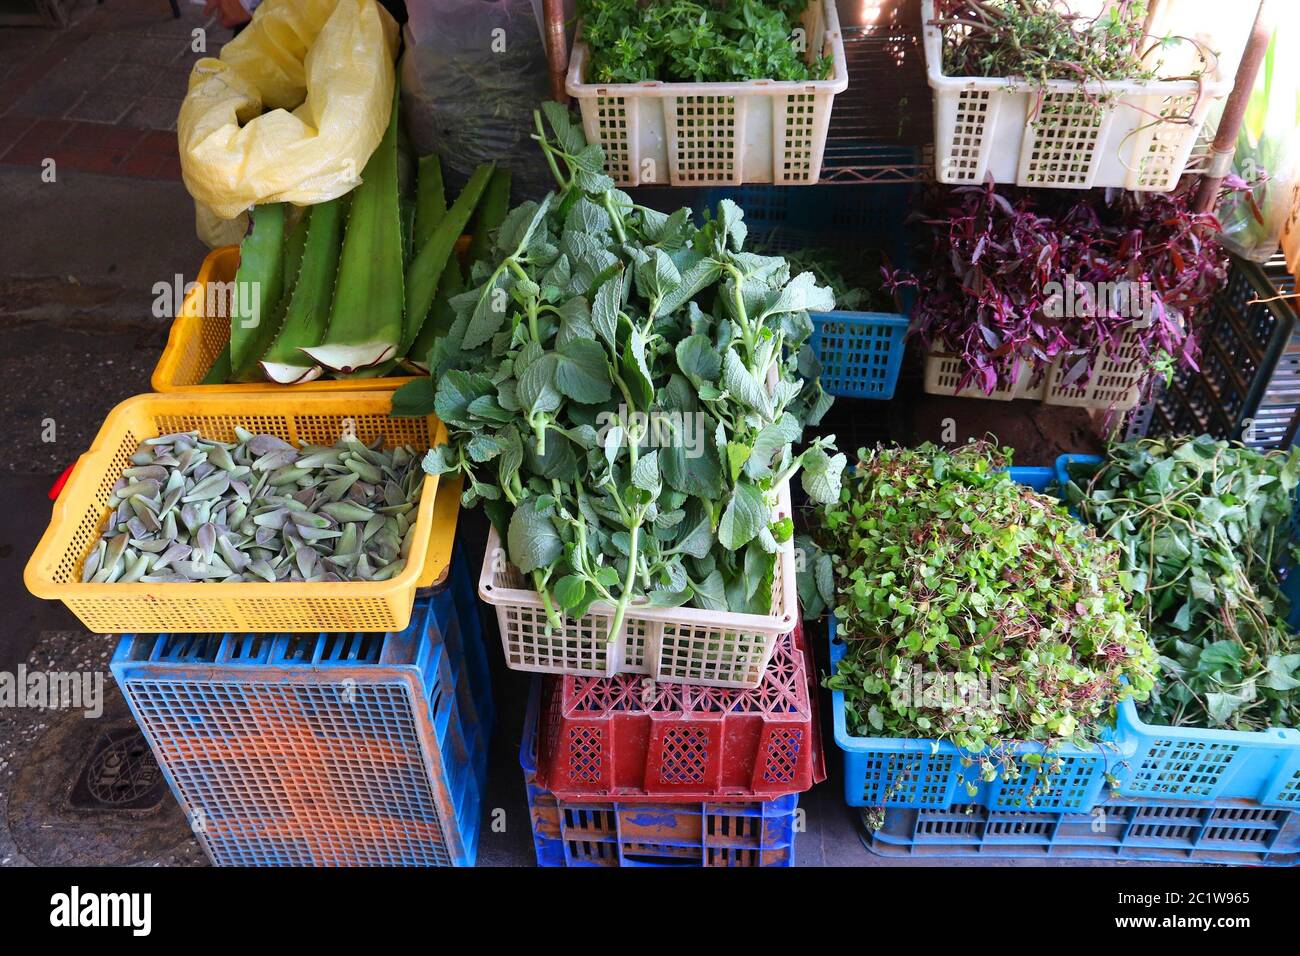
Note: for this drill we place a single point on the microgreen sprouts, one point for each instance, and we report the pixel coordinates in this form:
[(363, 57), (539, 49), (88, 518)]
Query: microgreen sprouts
[(938, 562)]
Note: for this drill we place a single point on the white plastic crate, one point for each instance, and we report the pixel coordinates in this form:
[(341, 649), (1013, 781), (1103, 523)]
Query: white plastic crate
[(982, 127), (673, 645), (944, 371), (1116, 381), (715, 134)]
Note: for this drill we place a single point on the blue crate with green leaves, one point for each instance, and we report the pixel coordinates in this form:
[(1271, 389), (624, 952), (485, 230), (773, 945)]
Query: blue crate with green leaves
[(1195, 763), (861, 352), (937, 774)]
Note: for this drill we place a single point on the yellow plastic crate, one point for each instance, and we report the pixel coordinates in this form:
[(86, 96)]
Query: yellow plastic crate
[(446, 510), (202, 329), (80, 513)]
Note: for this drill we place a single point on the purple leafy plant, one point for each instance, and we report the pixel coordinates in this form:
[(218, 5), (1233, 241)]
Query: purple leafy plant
[(1021, 277)]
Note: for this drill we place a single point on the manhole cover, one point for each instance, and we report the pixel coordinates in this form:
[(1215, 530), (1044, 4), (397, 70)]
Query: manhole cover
[(120, 774)]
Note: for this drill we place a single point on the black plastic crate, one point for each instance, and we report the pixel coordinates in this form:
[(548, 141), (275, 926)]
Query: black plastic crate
[(1248, 384)]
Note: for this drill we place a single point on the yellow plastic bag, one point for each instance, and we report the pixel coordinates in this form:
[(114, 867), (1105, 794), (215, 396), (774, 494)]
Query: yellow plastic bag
[(292, 109)]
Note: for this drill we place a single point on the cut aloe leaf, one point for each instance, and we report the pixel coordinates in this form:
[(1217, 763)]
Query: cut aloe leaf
[(259, 284), (365, 325), (430, 199), (307, 316), (439, 319), (426, 269), (220, 372), (294, 243), (491, 213)]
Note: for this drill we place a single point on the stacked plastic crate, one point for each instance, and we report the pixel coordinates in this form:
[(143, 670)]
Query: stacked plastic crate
[(323, 749), (629, 771), (1143, 792), (363, 746)]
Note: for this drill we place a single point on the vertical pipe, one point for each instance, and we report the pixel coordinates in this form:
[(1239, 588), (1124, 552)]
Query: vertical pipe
[(557, 53), (1234, 111)]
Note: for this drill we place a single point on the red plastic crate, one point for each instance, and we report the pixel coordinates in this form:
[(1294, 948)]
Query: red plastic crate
[(629, 737)]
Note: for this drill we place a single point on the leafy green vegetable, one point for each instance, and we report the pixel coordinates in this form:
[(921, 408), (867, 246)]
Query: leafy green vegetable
[(1201, 526), (941, 567), (694, 41), (853, 276), (621, 391)]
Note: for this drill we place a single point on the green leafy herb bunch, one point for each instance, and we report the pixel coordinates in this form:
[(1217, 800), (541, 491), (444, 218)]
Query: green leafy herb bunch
[(697, 41), (1203, 526), (623, 390)]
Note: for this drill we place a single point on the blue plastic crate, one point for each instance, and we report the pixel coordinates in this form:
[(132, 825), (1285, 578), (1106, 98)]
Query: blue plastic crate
[(628, 834), (1190, 763), (861, 353), (327, 749), (1232, 832), (793, 218), (921, 773), (465, 591)]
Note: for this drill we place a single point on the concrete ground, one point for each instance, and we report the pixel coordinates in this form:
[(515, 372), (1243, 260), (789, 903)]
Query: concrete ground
[(79, 258)]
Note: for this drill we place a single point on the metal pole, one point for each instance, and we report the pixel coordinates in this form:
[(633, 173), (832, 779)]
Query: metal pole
[(1225, 140), (557, 53)]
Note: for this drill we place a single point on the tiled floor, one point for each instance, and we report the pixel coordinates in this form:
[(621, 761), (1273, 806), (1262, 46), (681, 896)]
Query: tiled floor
[(102, 95)]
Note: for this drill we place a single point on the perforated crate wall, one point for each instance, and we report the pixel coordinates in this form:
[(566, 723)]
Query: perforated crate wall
[(1060, 135), (587, 832), (861, 353), (702, 134), (1233, 832), (1248, 385), (1115, 383), (675, 645), (944, 373), (315, 750), (628, 737)]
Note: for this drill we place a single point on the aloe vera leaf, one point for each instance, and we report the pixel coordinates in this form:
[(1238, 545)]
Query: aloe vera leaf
[(295, 241), (439, 320), (259, 283), (308, 312), (220, 372), (430, 199), (408, 230), (365, 324), (491, 212), (406, 172), (426, 269)]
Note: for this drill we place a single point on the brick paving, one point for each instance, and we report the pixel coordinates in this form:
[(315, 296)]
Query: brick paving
[(101, 95)]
